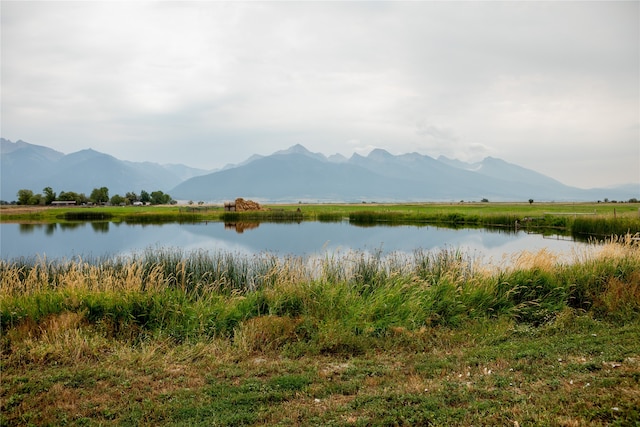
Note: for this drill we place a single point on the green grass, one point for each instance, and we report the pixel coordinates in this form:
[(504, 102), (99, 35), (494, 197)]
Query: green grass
[(579, 219), (210, 293), (573, 371), (178, 338), (603, 226), (432, 338)]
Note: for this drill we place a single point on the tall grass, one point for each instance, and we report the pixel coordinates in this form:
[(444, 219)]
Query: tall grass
[(267, 215), (605, 226), (333, 304), (579, 226), (86, 215), (447, 218), (159, 218)]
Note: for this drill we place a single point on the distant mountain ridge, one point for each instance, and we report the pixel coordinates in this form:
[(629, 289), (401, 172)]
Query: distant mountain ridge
[(296, 174), (34, 167), (292, 175)]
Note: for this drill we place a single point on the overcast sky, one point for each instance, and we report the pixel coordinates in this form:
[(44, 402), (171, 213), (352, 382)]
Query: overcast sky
[(552, 86)]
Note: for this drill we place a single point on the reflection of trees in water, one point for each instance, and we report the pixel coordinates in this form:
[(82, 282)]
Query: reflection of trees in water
[(49, 229), (100, 227), (30, 228), (27, 228), (239, 227)]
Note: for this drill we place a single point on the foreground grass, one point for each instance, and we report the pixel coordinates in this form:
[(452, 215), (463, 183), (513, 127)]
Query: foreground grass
[(220, 339), (574, 371)]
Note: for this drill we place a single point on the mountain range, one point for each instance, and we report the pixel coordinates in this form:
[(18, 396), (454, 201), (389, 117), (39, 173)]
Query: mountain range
[(34, 167), (293, 175)]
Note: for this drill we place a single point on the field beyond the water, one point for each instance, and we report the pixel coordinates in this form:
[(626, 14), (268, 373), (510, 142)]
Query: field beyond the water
[(580, 220)]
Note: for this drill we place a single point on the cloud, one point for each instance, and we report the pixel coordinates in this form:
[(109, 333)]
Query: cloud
[(210, 83), (434, 132)]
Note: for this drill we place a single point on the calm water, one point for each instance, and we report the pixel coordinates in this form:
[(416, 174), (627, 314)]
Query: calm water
[(94, 239)]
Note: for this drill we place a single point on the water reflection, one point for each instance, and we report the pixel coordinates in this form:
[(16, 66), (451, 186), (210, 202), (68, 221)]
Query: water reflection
[(240, 227), (49, 229), (26, 228), (101, 238), (100, 226)]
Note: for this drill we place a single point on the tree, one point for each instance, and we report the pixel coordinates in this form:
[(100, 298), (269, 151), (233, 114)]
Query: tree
[(70, 195), (49, 195), (144, 197), (24, 196), (131, 197), (37, 199), (159, 198), (530, 201), (117, 200), (67, 196), (99, 195)]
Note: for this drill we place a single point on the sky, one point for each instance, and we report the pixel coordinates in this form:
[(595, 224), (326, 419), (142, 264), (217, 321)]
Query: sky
[(550, 86)]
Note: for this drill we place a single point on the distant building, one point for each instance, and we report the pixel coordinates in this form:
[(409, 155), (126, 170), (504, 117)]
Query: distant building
[(63, 203)]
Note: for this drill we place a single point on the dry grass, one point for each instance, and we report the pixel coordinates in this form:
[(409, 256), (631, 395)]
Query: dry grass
[(380, 341), (266, 333), (492, 374)]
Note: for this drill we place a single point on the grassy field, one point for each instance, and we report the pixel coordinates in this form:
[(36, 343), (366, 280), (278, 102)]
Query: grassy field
[(171, 338), (313, 211), (580, 219)]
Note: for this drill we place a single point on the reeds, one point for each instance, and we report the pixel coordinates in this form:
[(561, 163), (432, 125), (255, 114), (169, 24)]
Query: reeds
[(581, 227), (337, 303), (449, 219), (276, 215), (86, 215), (604, 227)]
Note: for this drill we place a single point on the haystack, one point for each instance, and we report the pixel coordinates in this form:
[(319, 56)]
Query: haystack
[(247, 205)]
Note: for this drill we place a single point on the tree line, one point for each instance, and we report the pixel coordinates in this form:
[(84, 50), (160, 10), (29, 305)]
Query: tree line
[(98, 196)]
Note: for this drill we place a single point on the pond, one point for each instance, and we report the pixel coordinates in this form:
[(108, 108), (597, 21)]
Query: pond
[(309, 238)]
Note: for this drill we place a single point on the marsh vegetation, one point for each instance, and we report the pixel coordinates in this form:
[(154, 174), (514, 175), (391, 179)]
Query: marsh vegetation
[(168, 337), (582, 220), (176, 337)]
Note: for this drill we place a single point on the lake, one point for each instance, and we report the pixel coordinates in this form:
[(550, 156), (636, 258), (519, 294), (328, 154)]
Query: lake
[(97, 239)]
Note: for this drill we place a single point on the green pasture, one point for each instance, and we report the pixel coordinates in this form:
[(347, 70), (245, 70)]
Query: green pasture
[(581, 219), (312, 211)]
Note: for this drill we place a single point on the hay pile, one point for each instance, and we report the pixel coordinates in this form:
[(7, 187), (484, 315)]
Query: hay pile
[(247, 205)]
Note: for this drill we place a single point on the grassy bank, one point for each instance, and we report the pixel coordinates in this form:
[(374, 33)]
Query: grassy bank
[(432, 338), (578, 219)]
